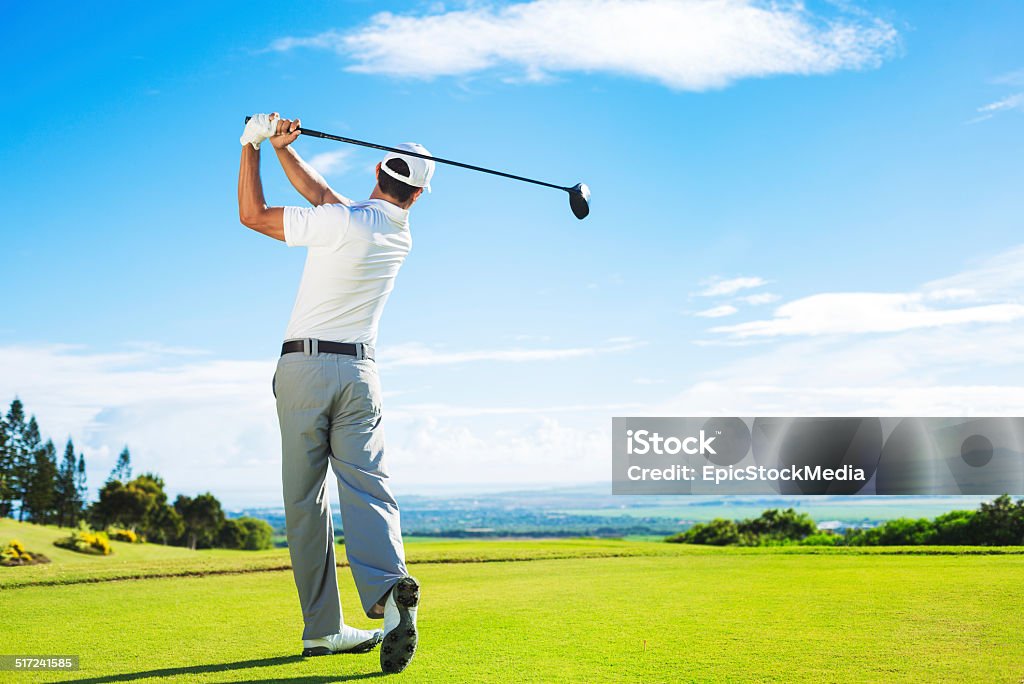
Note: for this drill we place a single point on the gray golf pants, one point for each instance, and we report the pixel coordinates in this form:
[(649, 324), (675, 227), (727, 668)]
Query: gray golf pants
[(329, 407)]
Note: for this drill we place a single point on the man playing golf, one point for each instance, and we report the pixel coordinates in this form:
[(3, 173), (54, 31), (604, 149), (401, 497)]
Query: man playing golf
[(328, 393)]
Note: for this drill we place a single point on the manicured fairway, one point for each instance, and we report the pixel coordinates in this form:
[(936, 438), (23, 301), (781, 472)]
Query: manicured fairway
[(706, 615)]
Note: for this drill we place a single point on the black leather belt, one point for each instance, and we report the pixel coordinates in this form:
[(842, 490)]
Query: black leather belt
[(358, 350)]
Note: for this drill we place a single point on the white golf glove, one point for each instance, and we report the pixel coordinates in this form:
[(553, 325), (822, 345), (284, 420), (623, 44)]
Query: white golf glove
[(259, 128)]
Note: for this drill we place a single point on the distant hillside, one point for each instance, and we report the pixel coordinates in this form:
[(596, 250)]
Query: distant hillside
[(592, 511)]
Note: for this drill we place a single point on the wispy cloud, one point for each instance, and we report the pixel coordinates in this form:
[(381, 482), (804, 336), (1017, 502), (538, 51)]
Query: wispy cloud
[(685, 45), (758, 299), (852, 313), (717, 311), (1011, 103), (965, 363), (416, 410), (720, 287), (417, 354), (989, 294), (333, 162)]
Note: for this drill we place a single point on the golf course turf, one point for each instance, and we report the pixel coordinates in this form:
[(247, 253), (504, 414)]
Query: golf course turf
[(586, 611)]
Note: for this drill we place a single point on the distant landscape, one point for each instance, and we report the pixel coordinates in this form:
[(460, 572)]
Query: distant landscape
[(593, 511)]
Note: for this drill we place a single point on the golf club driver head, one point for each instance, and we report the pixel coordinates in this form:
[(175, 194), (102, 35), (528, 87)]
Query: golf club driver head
[(579, 200)]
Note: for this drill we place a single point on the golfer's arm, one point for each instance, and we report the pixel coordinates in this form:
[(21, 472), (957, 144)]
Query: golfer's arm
[(253, 211), (306, 180)]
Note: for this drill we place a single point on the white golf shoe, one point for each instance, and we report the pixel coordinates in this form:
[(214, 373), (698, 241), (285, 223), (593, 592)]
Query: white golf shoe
[(349, 640), (400, 635)]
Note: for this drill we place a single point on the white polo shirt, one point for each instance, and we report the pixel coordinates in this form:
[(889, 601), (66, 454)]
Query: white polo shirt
[(354, 255)]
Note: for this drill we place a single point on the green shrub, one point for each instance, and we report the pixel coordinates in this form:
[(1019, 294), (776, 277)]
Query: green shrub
[(821, 539), (259, 535), (718, 532)]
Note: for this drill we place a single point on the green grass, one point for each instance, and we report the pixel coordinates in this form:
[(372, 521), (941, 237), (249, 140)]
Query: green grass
[(582, 614)]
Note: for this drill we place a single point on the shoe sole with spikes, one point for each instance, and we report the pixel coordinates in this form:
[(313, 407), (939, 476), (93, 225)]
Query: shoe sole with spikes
[(399, 644)]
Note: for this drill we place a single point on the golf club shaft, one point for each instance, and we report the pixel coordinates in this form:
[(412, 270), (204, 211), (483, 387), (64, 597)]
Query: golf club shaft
[(385, 148)]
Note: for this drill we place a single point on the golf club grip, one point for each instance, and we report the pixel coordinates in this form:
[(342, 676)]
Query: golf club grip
[(385, 148)]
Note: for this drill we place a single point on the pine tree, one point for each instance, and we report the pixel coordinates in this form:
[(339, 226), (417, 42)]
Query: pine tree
[(5, 468), (65, 489), (122, 471), (81, 490), (39, 499), (32, 451), (14, 456)]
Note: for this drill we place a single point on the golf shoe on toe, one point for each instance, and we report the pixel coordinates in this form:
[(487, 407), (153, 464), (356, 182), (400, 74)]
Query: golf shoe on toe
[(400, 635), (349, 640)]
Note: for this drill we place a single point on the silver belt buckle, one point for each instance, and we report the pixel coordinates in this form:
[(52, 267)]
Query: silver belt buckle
[(310, 346)]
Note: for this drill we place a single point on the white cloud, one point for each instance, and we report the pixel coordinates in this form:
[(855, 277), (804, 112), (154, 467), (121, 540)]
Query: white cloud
[(942, 372), (990, 293), (411, 410), (417, 354), (717, 311), (543, 451), (335, 161), (758, 299), (199, 423), (1010, 103), (211, 424), (866, 312), (682, 44), (718, 287)]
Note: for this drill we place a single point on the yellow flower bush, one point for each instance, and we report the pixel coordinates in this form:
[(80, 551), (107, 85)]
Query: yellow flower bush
[(85, 540), (125, 535), (15, 553)]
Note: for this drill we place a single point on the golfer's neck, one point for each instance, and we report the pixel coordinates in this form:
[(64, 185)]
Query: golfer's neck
[(377, 194)]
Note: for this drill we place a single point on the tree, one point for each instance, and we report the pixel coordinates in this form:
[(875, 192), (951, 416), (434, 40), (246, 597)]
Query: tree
[(259, 534), (164, 525), (24, 467), (999, 522), (953, 528), (6, 488), (14, 457), (120, 504), (39, 499), (161, 523), (718, 532), (776, 525), (81, 490), (231, 535), (203, 518), (123, 468), (66, 499)]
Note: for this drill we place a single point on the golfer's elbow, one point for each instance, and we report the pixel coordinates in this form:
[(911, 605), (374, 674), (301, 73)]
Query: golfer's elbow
[(253, 214), (248, 217), (268, 221)]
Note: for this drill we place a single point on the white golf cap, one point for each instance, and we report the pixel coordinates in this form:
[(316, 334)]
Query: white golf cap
[(420, 170)]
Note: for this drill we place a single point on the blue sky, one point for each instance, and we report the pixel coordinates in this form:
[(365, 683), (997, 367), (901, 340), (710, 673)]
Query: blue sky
[(797, 210)]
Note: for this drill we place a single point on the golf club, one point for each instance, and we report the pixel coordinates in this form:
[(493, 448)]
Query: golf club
[(579, 194)]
